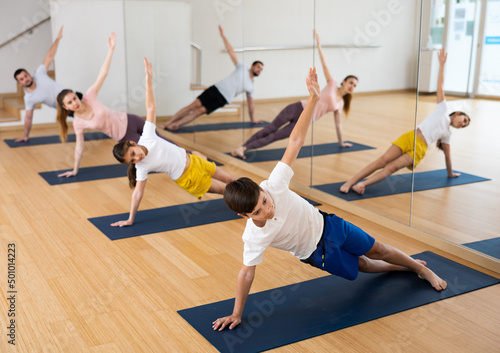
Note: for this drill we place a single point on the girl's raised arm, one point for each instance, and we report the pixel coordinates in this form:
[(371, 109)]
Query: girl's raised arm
[(150, 94)]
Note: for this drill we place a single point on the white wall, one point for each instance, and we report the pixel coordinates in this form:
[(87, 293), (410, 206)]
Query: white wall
[(390, 23), (160, 31), (29, 50), (87, 26)]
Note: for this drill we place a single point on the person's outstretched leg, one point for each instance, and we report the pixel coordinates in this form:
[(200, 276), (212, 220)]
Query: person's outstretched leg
[(396, 257), (187, 118), (273, 132), (401, 162), (391, 154), (182, 113)]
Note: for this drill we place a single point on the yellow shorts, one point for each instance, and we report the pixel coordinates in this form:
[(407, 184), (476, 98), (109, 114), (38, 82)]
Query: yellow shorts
[(405, 142), (198, 177)]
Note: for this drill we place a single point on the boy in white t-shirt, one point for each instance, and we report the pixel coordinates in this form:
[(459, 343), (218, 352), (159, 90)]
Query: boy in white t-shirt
[(278, 217), (39, 88)]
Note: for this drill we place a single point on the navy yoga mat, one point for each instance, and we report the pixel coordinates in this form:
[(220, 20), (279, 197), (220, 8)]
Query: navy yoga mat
[(47, 140), (489, 247), (91, 173), (86, 174), (219, 126), (168, 218), (401, 183), (306, 151), (300, 311)]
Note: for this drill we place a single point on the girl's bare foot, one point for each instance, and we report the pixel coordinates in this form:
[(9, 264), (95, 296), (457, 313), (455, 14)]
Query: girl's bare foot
[(437, 282), (359, 188), (239, 152)]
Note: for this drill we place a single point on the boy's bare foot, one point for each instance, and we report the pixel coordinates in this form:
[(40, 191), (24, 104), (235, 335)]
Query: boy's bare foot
[(345, 188), (239, 152), (359, 188), (437, 282)]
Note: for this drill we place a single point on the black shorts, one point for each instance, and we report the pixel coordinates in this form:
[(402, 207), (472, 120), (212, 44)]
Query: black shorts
[(211, 99)]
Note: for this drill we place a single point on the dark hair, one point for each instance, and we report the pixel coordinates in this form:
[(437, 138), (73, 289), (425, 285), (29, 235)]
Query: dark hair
[(242, 195), (347, 97), (119, 151), (18, 72), (439, 143), (257, 62), (62, 114)]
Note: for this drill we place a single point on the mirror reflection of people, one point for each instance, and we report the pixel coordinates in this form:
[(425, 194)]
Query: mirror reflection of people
[(39, 88), (332, 99), (435, 127), (90, 113), (279, 218), (153, 154), (222, 93)]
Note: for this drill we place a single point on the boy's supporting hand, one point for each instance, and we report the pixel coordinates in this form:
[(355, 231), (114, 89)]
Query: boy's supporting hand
[(223, 322)]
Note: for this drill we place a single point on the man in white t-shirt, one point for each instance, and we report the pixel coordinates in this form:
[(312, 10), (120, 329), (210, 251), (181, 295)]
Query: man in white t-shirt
[(39, 88), (279, 218), (222, 93)]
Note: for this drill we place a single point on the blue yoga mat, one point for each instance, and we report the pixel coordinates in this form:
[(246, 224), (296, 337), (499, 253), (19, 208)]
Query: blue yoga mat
[(489, 247), (401, 183), (169, 218), (91, 173), (47, 140), (219, 126), (86, 174), (306, 151), (297, 312)]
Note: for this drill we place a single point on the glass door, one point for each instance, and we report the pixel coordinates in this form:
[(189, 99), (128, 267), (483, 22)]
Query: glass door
[(460, 40), (489, 71)]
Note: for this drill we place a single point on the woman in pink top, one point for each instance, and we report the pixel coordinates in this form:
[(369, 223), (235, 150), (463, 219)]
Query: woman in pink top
[(89, 113), (332, 99)]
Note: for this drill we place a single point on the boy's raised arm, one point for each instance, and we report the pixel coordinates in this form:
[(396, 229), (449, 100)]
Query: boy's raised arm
[(299, 132)]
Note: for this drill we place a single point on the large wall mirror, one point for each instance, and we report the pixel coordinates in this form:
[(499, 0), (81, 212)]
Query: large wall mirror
[(377, 41)]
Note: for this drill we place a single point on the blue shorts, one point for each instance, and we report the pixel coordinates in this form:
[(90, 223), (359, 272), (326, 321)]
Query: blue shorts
[(339, 248)]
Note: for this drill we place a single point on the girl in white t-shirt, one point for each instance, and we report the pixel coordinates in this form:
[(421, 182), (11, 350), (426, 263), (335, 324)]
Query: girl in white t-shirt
[(404, 153), (153, 154), (332, 99)]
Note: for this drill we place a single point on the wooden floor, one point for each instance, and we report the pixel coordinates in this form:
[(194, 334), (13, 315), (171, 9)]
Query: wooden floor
[(80, 292)]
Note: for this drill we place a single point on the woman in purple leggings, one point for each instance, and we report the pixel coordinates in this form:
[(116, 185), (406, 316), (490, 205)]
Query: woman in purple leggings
[(332, 99)]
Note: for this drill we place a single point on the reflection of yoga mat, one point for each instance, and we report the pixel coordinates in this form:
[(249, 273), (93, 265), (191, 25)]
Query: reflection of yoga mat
[(401, 183), (91, 173), (47, 140), (305, 151), (489, 247), (169, 218), (297, 312), (221, 126)]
